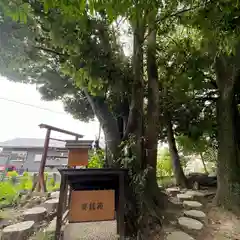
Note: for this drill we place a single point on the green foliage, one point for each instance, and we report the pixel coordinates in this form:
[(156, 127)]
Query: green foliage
[(25, 174), (25, 182), (46, 176), (166, 182), (96, 159), (165, 168), (164, 164), (192, 146), (12, 174), (9, 193)]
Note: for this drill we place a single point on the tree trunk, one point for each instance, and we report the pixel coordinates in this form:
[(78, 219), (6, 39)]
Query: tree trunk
[(203, 162), (152, 127), (109, 125), (228, 169), (135, 124), (177, 168)]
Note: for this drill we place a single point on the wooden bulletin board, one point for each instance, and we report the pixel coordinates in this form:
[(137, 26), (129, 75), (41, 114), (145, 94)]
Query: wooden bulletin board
[(87, 206), (96, 195)]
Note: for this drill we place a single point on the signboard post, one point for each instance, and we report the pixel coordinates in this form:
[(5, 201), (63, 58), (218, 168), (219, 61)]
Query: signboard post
[(96, 195)]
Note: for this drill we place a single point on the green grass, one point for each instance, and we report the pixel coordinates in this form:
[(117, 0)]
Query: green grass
[(166, 182), (11, 188)]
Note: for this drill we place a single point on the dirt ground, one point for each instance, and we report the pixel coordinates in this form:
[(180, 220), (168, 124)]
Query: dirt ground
[(221, 225)]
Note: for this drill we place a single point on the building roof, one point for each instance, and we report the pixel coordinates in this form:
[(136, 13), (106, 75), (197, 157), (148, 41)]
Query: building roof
[(30, 143), (39, 143)]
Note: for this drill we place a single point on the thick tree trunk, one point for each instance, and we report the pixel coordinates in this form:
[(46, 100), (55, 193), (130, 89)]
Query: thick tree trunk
[(109, 125), (152, 127), (204, 164), (177, 168), (228, 168), (135, 124)]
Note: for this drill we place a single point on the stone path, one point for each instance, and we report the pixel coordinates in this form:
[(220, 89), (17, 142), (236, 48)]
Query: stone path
[(105, 230), (193, 218), (38, 217)]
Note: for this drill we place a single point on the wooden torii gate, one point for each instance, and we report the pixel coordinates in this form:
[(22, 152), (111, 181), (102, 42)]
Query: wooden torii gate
[(40, 183)]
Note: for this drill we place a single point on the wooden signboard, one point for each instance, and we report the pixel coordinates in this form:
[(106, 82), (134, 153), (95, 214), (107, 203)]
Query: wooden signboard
[(78, 157), (97, 205)]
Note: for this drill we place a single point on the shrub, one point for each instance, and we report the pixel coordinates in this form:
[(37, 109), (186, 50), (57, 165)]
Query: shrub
[(9, 193), (96, 159), (12, 174), (164, 164), (25, 174), (25, 182)]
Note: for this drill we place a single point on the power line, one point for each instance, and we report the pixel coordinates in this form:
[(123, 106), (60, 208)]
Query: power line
[(30, 105)]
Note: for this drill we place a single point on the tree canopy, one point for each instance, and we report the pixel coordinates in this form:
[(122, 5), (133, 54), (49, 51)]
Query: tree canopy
[(181, 79)]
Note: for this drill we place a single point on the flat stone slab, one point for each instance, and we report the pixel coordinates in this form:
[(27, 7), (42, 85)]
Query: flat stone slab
[(36, 214), (192, 204), (55, 194), (182, 196), (179, 235), (105, 230), (172, 191), (19, 231), (195, 193), (196, 214), (190, 223), (51, 205)]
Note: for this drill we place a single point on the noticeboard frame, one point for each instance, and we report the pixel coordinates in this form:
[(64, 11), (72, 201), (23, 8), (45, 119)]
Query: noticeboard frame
[(68, 174)]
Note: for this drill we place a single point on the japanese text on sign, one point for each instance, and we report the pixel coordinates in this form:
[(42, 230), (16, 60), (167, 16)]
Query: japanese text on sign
[(92, 206)]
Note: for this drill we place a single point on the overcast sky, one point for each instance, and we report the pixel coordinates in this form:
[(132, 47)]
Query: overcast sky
[(19, 120)]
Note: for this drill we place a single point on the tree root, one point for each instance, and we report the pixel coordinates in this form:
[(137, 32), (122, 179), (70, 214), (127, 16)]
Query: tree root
[(145, 211)]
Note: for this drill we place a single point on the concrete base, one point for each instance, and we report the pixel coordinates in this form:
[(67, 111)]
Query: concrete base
[(106, 230)]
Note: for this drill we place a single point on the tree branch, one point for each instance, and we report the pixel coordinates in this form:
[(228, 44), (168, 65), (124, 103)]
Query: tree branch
[(182, 11), (51, 51)]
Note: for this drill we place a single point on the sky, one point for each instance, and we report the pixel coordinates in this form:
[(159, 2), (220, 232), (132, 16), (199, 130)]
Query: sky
[(21, 121)]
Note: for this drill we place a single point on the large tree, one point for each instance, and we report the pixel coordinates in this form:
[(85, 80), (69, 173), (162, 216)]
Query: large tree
[(83, 51), (219, 29)]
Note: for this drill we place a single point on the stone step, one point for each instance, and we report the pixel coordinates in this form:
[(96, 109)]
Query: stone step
[(36, 214), (196, 214), (195, 193), (173, 191), (51, 205), (179, 235), (55, 194), (183, 196), (19, 231), (192, 204), (190, 223)]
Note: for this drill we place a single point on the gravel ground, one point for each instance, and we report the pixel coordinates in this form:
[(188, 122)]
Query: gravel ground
[(106, 230)]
